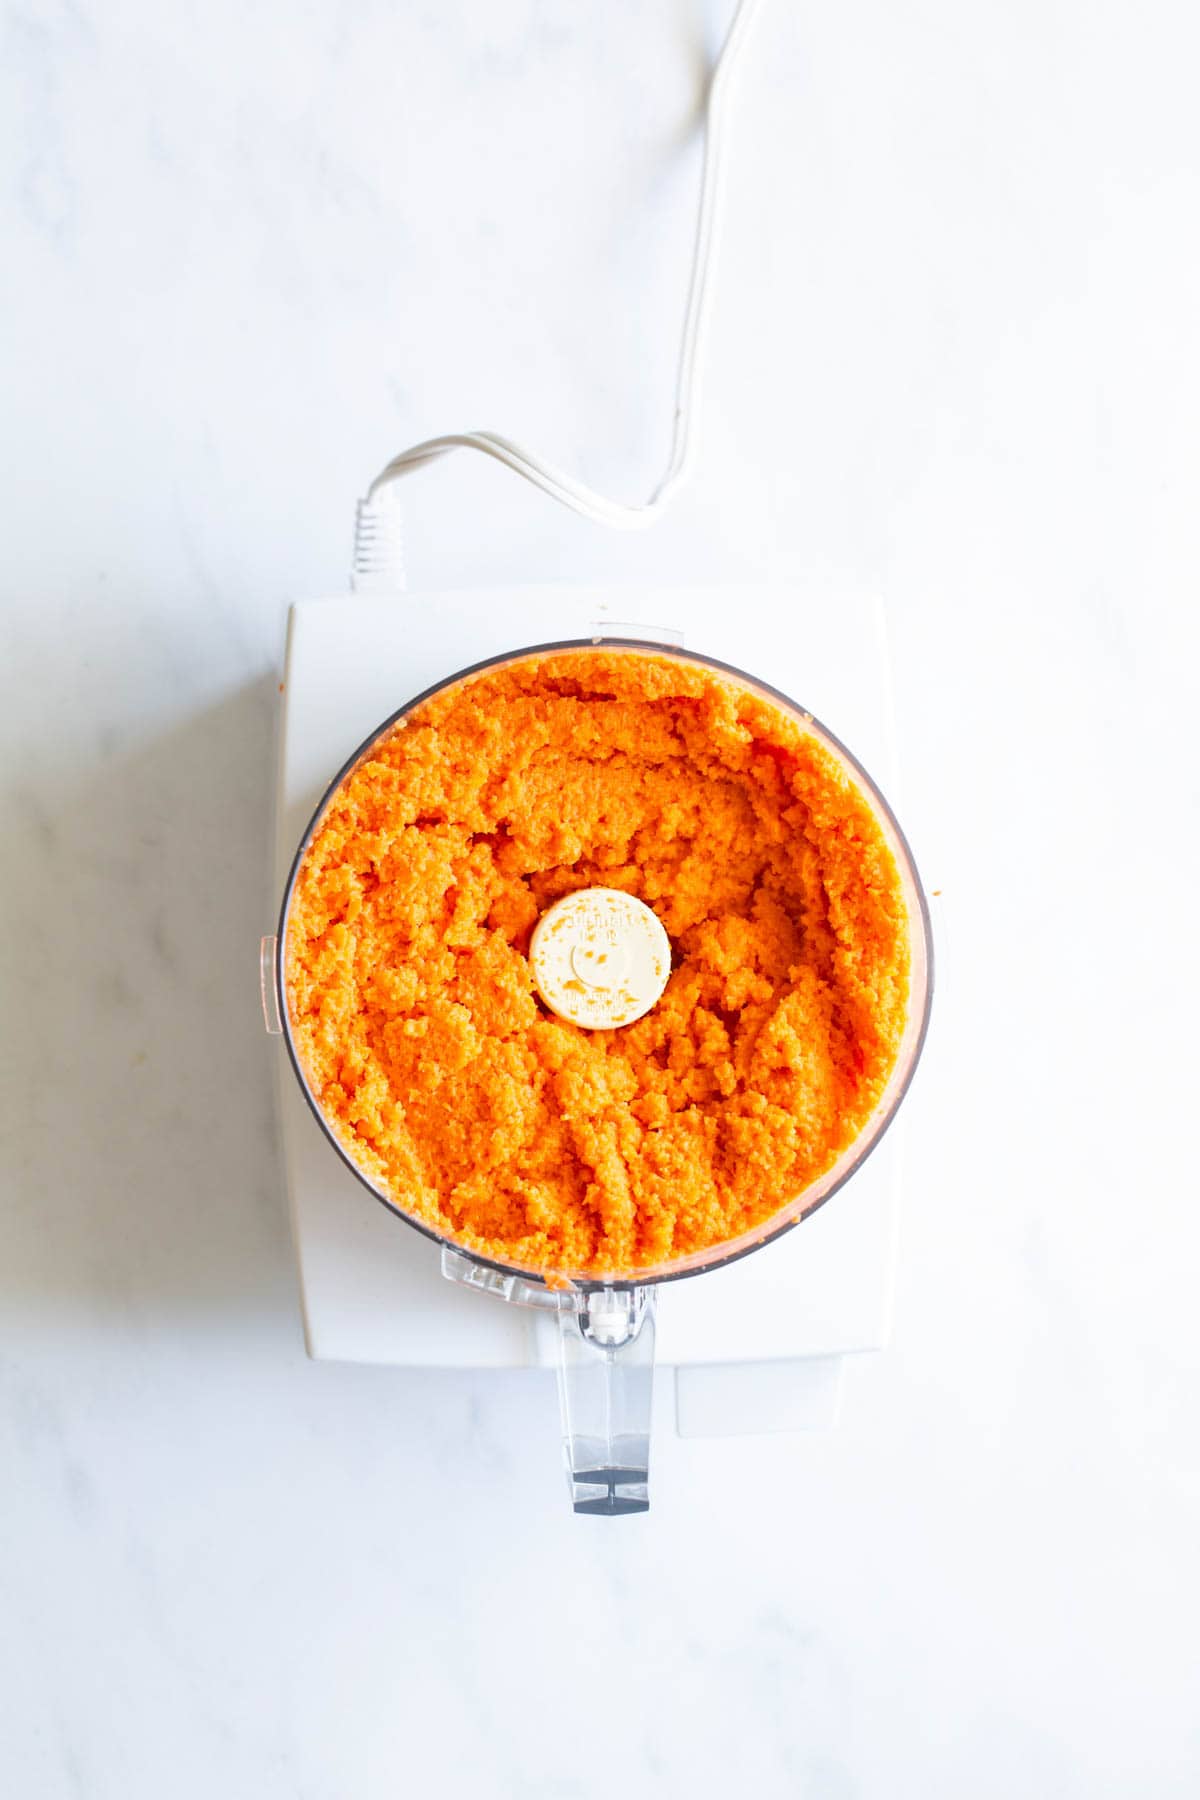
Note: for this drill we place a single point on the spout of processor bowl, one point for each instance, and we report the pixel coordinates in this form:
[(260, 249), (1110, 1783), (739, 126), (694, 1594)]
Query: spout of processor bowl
[(606, 1387)]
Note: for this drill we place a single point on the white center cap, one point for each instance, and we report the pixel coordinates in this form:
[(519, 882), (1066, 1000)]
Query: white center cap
[(600, 958)]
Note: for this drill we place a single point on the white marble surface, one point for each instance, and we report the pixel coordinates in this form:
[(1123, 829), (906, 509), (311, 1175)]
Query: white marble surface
[(249, 250)]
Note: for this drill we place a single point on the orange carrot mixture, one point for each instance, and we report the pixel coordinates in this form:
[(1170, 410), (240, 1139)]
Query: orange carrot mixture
[(412, 1006)]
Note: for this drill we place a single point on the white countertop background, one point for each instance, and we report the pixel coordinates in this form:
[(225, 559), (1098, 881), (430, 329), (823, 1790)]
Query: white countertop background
[(250, 250)]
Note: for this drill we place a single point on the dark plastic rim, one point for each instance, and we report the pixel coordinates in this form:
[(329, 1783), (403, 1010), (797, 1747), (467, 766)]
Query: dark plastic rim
[(585, 1283)]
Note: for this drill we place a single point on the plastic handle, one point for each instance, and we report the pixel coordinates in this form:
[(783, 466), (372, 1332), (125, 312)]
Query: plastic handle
[(603, 629), (606, 1386), (268, 987), (605, 1380)]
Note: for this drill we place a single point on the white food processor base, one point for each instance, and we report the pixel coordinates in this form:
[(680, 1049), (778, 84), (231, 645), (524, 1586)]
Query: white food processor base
[(755, 1347)]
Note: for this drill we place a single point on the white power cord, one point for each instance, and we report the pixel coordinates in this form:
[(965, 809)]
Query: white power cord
[(378, 558)]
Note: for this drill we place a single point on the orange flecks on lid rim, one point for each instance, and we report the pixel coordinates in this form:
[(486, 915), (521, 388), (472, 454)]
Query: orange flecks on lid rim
[(535, 1141)]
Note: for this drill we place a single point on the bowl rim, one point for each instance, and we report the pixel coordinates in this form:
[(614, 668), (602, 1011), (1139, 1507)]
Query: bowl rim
[(791, 1214)]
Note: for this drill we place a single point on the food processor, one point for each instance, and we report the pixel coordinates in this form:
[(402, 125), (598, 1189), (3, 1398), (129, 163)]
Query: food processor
[(606, 1328)]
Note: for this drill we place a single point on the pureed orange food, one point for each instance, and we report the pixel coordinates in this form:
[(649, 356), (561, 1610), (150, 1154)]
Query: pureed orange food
[(410, 996)]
